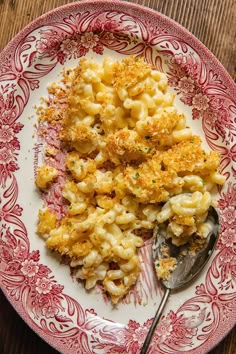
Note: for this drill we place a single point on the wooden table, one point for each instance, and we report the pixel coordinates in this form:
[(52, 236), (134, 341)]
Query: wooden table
[(211, 21)]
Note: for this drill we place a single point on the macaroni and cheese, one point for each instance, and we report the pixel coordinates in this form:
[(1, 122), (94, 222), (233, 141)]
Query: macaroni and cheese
[(131, 162)]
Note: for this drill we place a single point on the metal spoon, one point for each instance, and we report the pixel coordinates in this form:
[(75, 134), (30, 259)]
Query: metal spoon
[(188, 265)]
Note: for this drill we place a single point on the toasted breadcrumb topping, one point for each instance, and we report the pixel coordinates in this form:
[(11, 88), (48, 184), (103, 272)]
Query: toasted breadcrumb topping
[(131, 162)]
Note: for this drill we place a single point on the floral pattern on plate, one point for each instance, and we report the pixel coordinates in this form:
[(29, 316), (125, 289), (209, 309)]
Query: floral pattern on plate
[(204, 88)]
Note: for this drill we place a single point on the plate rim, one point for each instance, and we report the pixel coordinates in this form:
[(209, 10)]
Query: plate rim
[(33, 25), (128, 4)]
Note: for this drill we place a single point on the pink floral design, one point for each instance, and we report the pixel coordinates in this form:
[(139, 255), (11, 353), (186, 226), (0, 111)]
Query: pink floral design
[(227, 267), (69, 47), (228, 237), (173, 81), (199, 86), (43, 286), (108, 37), (50, 311), (29, 268), (6, 134), (229, 215), (186, 85), (5, 155), (82, 51), (9, 144), (209, 116), (216, 103), (226, 256), (98, 49), (184, 77), (228, 198), (180, 59), (20, 251), (8, 116), (135, 336), (164, 329), (89, 40), (49, 44), (200, 102), (174, 329), (60, 46), (42, 45)]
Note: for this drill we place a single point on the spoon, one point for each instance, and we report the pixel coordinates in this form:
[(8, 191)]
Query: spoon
[(188, 264)]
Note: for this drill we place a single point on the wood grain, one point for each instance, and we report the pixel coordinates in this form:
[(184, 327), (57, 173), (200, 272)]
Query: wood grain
[(17, 338), (212, 22)]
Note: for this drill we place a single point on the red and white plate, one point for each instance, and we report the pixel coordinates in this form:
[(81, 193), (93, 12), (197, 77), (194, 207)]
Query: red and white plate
[(36, 283)]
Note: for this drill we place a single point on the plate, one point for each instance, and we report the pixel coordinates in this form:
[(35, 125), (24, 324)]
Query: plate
[(40, 288)]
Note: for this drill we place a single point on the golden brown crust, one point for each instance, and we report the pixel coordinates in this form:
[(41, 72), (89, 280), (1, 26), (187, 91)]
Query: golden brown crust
[(188, 156), (121, 131), (80, 137), (160, 127), (130, 71), (148, 182), (127, 145)]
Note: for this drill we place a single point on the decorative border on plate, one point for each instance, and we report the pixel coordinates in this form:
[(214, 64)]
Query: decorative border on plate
[(30, 286)]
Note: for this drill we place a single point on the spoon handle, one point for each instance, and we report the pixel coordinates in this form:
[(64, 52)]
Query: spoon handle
[(155, 321)]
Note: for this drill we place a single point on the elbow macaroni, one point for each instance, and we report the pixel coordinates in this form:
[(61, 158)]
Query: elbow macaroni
[(131, 162)]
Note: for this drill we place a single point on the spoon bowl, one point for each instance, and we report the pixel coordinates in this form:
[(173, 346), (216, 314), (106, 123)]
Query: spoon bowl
[(189, 262)]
